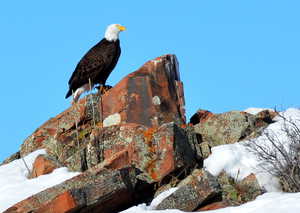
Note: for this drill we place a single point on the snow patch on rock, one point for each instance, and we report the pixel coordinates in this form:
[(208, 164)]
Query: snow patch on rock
[(113, 119), (156, 100), (254, 111)]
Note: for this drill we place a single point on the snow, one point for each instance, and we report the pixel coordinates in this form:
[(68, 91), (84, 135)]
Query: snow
[(111, 120), (254, 111), (14, 185), (161, 197), (275, 202)]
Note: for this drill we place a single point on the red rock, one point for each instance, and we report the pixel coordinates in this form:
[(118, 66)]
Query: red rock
[(42, 166), (100, 189), (155, 151), (200, 116), (150, 96), (60, 204)]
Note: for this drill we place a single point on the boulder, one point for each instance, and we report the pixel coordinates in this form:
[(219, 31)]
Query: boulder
[(228, 127), (200, 116), (43, 165), (238, 192), (96, 190), (193, 191), (151, 96)]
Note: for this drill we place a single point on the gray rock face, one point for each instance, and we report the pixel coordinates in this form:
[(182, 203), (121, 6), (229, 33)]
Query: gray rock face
[(228, 127), (200, 186)]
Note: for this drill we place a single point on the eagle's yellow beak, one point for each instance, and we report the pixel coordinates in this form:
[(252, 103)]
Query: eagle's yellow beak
[(121, 28)]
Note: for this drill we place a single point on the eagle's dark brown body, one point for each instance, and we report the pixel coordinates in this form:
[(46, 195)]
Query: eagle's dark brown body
[(95, 65)]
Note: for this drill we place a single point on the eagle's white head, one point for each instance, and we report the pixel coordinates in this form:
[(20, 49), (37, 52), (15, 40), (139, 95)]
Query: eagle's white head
[(112, 32)]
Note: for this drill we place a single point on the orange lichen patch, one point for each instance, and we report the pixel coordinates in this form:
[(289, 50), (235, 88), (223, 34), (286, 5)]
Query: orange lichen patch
[(118, 160), (99, 124), (62, 203), (148, 134), (168, 155), (152, 170)]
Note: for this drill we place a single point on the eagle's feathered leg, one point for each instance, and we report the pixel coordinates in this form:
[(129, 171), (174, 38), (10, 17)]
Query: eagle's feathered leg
[(79, 91)]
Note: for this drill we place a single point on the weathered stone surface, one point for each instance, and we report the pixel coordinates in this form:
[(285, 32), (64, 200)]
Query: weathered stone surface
[(238, 192), (267, 115), (155, 151), (43, 165), (62, 128), (228, 127), (200, 186), (96, 190), (150, 96), (200, 116)]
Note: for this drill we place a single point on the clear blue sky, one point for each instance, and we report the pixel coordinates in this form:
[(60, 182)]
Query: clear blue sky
[(233, 54)]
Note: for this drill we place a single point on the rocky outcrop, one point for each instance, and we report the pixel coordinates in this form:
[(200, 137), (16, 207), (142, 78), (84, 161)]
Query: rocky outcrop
[(131, 143), (134, 128)]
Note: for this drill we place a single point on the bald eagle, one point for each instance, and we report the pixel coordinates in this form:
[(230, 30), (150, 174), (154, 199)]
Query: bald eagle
[(96, 65)]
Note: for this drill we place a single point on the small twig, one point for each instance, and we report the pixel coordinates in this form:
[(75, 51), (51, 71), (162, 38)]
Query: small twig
[(26, 165), (93, 111), (76, 123), (77, 133)]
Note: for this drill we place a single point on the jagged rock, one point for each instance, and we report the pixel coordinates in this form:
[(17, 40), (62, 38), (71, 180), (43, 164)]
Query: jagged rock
[(150, 96), (229, 127), (249, 188), (267, 115), (197, 188), (43, 165), (200, 116), (96, 190), (237, 192), (135, 114)]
